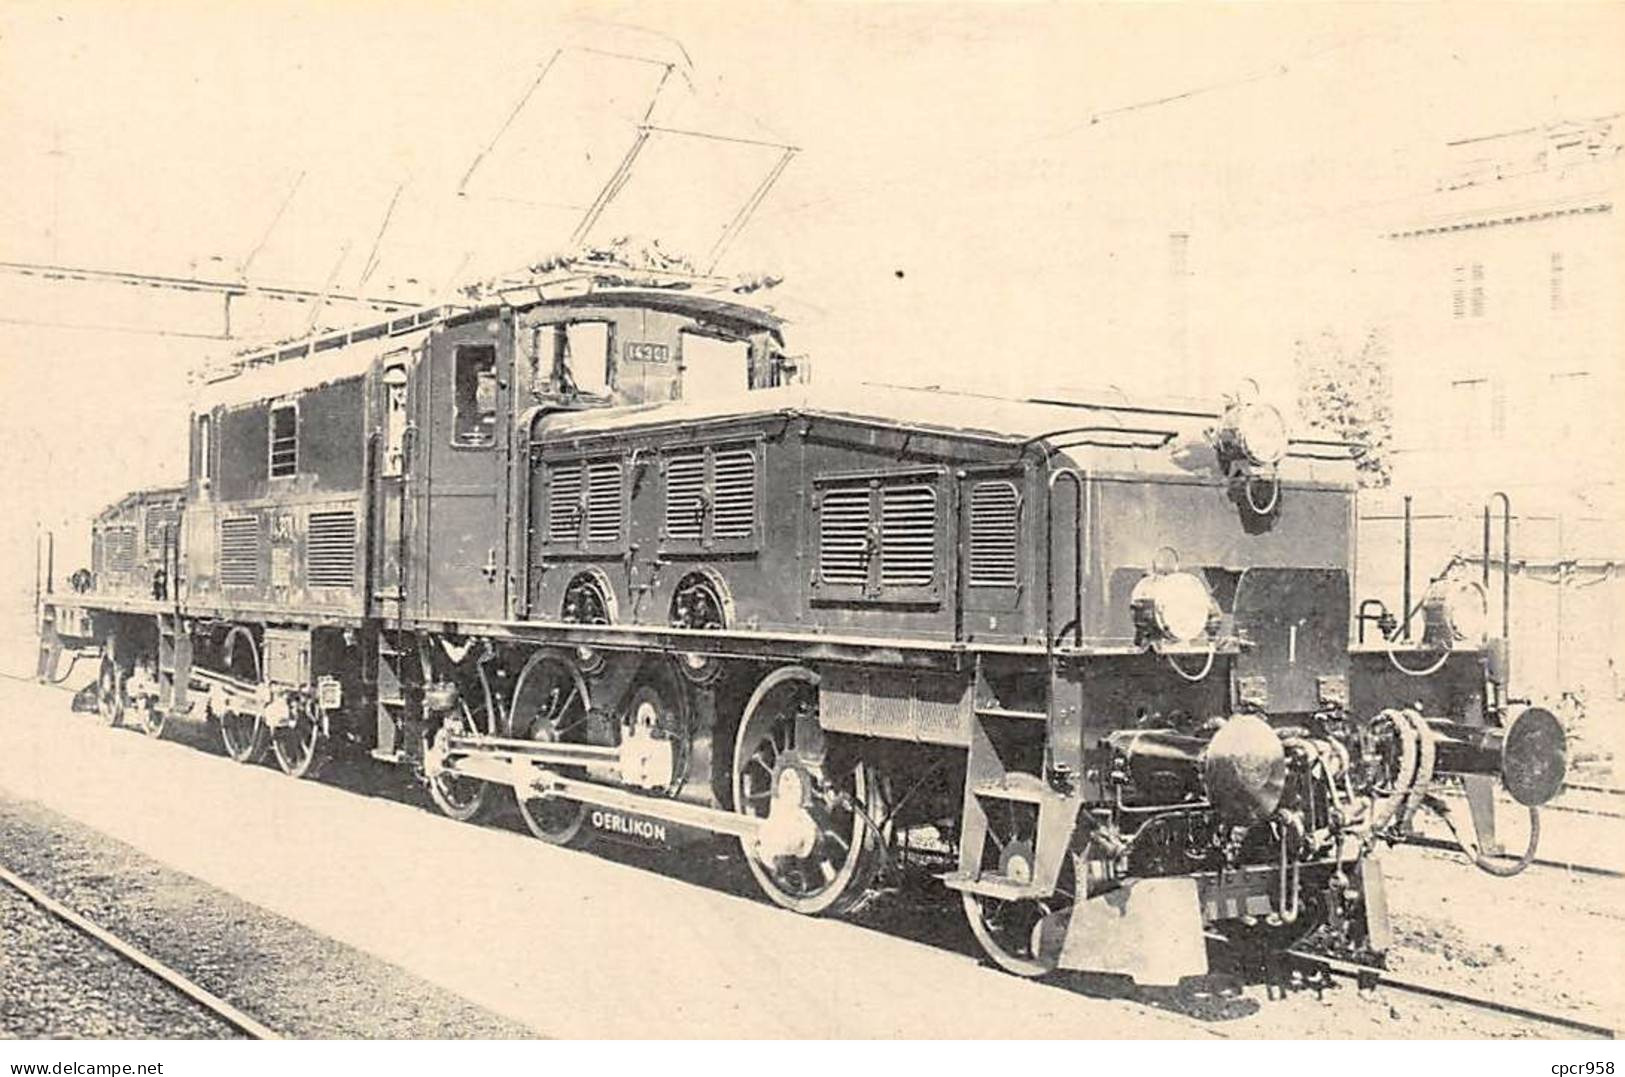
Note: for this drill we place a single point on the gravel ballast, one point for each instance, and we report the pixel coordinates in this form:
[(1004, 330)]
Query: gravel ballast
[(57, 983)]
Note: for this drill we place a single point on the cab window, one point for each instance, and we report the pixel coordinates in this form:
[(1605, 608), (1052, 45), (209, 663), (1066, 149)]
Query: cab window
[(475, 395), (205, 449), (284, 447), (713, 367), (394, 420), (583, 355)]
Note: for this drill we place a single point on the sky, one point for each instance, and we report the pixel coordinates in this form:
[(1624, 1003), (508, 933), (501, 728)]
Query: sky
[(981, 193)]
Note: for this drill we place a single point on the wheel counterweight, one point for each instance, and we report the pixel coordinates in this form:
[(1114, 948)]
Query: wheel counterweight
[(110, 691), (551, 703), (300, 742), (457, 796), (818, 849), (244, 734)]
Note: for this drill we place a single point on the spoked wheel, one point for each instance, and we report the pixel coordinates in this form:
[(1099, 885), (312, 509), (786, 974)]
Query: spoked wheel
[(816, 851), (658, 706), (150, 716), (550, 703), (301, 746), (459, 797), (1008, 930), (110, 692), (244, 735)]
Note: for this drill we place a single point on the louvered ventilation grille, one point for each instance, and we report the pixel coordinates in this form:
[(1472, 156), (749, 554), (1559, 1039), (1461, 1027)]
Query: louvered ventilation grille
[(908, 536), (120, 547), (843, 523), (564, 503), (239, 551), (330, 550), (734, 511), (993, 535), (604, 501), (158, 520), (685, 491)]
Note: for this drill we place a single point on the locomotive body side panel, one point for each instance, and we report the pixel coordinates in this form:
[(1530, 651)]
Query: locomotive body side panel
[(779, 512), (134, 543), (275, 522)]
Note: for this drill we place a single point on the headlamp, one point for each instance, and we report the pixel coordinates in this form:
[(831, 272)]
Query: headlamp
[(1258, 431), (1456, 614), (1172, 606)]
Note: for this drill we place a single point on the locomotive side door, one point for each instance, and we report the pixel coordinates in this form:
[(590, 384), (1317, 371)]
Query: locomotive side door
[(396, 393), (461, 493)]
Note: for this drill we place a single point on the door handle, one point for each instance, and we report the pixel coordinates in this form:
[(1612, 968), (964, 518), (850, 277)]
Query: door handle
[(489, 571)]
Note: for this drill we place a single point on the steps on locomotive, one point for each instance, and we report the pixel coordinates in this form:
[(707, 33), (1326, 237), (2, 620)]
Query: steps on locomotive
[(1010, 712), (1026, 788), (1005, 765)]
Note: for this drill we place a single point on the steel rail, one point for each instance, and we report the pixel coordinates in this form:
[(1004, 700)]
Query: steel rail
[(1587, 788), (1421, 842), (141, 960), (1368, 974)]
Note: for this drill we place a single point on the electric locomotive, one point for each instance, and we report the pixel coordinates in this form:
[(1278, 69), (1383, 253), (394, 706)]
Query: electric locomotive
[(598, 548)]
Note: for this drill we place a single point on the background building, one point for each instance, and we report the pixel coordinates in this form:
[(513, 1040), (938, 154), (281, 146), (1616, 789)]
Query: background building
[(1507, 375)]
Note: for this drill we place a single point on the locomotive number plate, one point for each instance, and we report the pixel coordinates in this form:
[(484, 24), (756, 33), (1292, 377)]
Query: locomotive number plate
[(646, 352)]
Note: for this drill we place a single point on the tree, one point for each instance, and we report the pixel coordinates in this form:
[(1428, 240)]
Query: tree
[(1347, 393)]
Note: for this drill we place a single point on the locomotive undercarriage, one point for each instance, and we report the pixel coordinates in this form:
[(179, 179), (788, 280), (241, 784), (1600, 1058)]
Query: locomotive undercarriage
[(1258, 829)]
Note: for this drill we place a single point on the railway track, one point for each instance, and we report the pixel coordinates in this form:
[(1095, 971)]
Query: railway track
[(133, 955), (1371, 977)]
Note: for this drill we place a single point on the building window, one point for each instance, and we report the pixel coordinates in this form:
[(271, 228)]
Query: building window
[(1470, 410), (1467, 290), (1573, 400), (284, 440), (474, 419)]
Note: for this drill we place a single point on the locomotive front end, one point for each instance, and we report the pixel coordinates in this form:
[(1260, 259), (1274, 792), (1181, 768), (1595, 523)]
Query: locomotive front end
[(1238, 769)]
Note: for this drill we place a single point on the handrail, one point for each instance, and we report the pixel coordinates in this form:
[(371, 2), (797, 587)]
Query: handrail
[(1405, 587), (1141, 431), (371, 477), (1077, 481), (1506, 582)]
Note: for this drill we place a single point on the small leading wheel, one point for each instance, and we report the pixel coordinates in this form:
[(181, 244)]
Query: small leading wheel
[(110, 692), (457, 796), (1007, 930), (550, 703), (301, 745), (151, 716), (244, 734), (817, 850)]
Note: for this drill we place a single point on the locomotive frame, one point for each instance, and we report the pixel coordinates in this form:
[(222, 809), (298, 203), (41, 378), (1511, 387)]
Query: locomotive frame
[(600, 545)]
